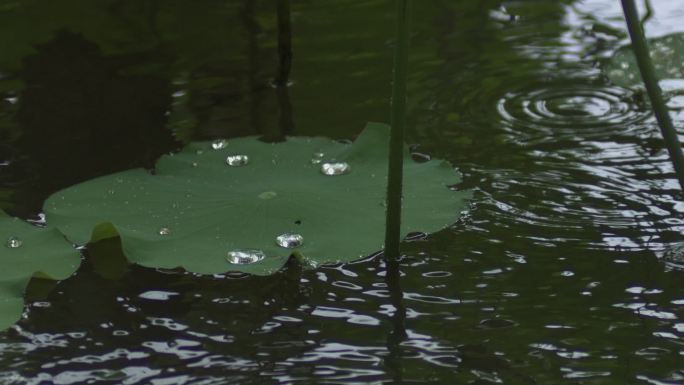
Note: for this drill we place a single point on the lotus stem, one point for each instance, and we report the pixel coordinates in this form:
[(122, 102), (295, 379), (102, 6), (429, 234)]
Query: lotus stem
[(648, 75), (398, 122)]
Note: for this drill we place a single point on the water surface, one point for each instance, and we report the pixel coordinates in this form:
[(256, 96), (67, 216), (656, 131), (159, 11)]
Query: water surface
[(555, 275)]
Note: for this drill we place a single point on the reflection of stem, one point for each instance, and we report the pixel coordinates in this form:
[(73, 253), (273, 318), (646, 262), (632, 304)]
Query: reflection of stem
[(654, 93), (284, 44), (398, 121), (252, 29), (282, 77), (648, 14), (286, 122), (393, 362)]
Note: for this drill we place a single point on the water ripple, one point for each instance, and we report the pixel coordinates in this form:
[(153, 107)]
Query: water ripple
[(558, 112)]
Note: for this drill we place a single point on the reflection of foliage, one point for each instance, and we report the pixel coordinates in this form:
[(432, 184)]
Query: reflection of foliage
[(194, 34), (172, 39), (32, 22), (667, 55)]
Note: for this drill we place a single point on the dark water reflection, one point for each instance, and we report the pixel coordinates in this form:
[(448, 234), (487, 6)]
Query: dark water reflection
[(554, 276)]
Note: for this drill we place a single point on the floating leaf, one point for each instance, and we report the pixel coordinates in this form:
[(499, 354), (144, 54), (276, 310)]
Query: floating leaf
[(667, 54), (27, 251), (203, 210)]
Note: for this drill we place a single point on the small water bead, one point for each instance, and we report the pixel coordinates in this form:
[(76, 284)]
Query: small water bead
[(164, 231), (289, 240), (317, 157), (245, 256), (268, 195), (14, 242), (237, 160), (219, 144), (335, 168)]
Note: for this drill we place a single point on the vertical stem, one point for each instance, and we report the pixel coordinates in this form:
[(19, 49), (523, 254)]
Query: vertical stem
[(398, 121), (395, 176), (654, 93), (284, 44)]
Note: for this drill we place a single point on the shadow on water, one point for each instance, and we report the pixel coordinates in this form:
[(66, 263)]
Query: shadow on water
[(94, 119)]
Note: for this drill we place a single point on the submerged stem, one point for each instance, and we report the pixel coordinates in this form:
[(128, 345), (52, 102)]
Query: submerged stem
[(653, 89), (398, 121)]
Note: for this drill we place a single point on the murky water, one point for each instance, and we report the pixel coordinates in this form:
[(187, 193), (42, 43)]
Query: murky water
[(554, 277)]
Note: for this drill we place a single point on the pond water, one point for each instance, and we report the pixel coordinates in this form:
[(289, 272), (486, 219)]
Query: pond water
[(555, 276)]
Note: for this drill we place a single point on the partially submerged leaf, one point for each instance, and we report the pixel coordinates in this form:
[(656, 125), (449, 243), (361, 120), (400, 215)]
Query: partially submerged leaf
[(667, 54), (27, 251), (200, 213)]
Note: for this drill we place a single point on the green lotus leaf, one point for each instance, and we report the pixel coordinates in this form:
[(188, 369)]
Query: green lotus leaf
[(667, 54), (195, 208), (29, 251)]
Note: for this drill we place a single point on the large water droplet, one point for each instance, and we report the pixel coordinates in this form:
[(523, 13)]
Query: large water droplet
[(219, 144), (14, 242), (268, 195), (289, 240), (164, 231), (335, 168), (245, 256), (317, 157), (237, 160)]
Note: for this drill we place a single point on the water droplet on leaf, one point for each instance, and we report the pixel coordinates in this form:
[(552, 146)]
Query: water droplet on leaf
[(14, 242), (335, 168), (289, 240), (245, 256), (268, 195), (317, 157), (237, 160), (219, 144)]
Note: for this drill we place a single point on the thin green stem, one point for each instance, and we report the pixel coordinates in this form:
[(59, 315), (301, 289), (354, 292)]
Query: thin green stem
[(654, 93), (398, 121)]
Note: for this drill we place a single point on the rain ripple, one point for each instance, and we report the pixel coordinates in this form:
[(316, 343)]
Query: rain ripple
[(557, 112)]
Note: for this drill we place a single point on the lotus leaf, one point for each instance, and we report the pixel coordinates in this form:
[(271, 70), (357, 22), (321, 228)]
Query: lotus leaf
[(195, 208), (26, 251)]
